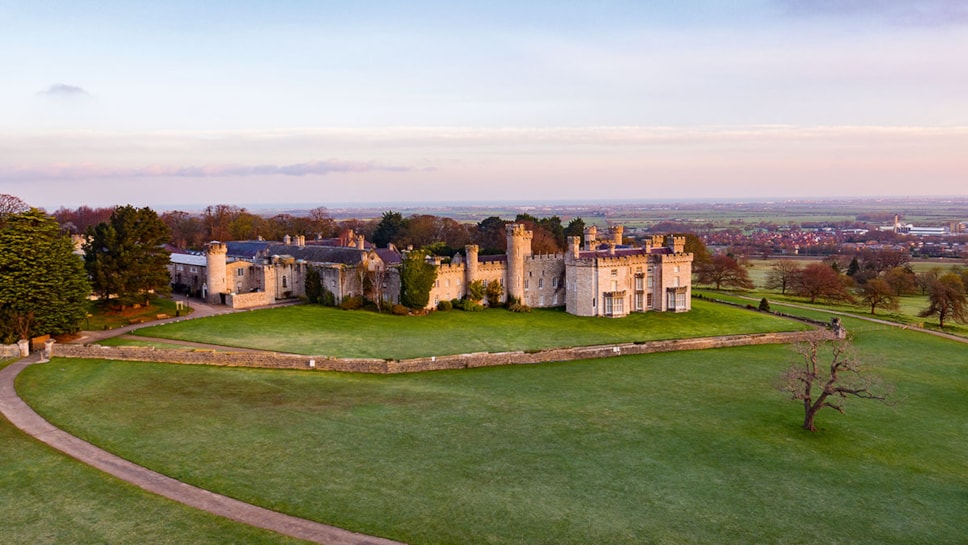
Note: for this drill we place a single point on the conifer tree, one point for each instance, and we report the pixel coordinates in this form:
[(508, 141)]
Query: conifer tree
[(43, 287)]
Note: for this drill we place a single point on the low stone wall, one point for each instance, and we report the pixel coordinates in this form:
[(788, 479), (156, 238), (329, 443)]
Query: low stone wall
[(271, 360), (248, 300), (9, 351)]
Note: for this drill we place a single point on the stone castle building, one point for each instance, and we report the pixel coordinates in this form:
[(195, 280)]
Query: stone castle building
[(594, 277)]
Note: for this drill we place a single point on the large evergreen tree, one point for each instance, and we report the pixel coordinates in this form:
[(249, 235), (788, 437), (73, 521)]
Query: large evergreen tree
[(417, 277), (390, 227), (126, 257), (43, 288)]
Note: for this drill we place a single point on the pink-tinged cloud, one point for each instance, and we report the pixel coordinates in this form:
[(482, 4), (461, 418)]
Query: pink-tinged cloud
[(86, 171)]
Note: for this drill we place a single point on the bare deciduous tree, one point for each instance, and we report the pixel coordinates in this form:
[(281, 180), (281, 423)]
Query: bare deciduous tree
[(818, 384)]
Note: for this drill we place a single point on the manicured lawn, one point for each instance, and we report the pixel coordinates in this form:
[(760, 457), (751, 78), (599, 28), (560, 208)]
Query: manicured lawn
[(311, 329), (103, 316), (692, 447), (46, 497)]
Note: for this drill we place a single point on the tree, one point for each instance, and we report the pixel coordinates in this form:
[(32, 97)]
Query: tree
[(819, 280), (947, 299), (43, 287), (818, 385), (126, 257), (902, 280), (417, 277), (878, 293), (494, 292), (491, 235), (696, 247), (10, 205), (321, 223), (390, 227), (723, 270), (575, 228), (784, 274), (476, 291)]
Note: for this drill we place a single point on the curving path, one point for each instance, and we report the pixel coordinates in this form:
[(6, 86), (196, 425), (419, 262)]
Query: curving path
[(23, 417)]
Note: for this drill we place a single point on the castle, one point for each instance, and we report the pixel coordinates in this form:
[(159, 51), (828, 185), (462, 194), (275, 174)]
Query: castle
[(594, 277)]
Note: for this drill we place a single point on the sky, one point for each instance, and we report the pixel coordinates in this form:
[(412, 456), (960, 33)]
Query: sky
[(184, 103)]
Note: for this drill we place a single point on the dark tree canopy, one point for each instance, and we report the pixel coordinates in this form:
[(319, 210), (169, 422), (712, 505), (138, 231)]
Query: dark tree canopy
[(878, 293), (724, 271), (491, 235), (43, 287), (575, 228), (947, 300), (126, 256), (417, 277), (694, 245), (783, 275), (390, 227), (10, 205), (818, 280)]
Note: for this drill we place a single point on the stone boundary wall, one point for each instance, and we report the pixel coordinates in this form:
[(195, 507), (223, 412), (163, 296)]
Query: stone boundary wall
[(247, 300), (9, 351), (271, 360)]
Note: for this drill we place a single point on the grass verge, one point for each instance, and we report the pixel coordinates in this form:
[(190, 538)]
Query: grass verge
[(692, 447), (310, 329)]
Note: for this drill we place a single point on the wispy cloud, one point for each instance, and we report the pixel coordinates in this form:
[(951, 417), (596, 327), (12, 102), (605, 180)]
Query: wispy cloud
[(64, 90), (907, 12), (90, 172)]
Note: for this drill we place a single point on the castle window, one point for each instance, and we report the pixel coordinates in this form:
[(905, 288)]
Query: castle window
[(614, 272), (675, 282), (193, 269), (651, 282), (239, 272), (648, 300), (638, 302), (675, 269), (554, 282), (526, 283), (638, 283), (284, 282), (448, 282), (540, 283)]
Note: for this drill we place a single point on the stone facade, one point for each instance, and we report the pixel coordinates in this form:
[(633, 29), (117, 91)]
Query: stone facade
[(602, 278), (605, 278)]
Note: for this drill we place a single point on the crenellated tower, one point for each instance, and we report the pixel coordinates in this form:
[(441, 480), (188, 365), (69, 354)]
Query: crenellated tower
[(215, 253), (519, 249), (470, 267)]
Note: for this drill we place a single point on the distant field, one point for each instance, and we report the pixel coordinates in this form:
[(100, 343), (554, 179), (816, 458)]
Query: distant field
[(692, 447), (311, 329)]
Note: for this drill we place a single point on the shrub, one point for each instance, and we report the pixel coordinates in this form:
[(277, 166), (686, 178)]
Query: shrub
[(518, 307), (470, 306), (352, 302), (444, 305), (764, 305), (400, 310)]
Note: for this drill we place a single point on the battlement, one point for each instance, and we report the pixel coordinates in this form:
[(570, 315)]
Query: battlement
[(545, 257), (215, 247), (519, 230)]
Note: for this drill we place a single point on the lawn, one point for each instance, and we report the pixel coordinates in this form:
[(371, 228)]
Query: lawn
[(692, 447), (102, 316), (311, 329), (46, 497)]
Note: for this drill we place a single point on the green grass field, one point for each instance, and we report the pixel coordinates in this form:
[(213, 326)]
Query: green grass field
[(48, 498), (692, 447), (311, 329)]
